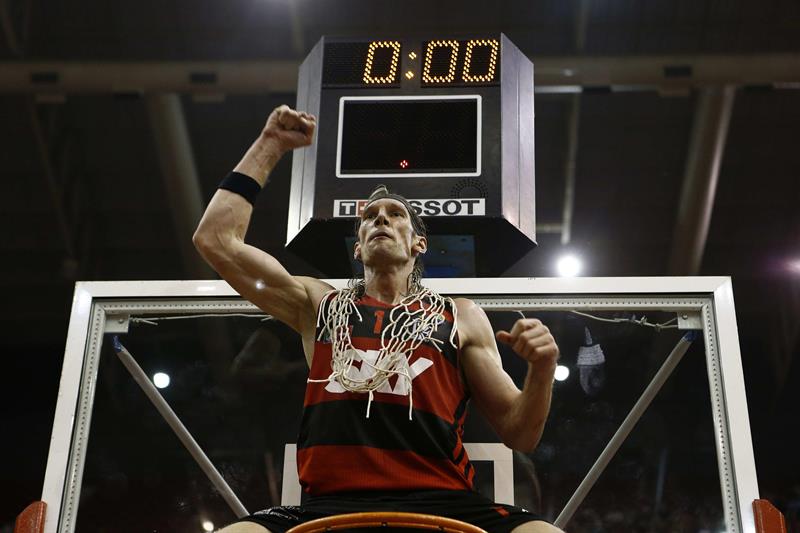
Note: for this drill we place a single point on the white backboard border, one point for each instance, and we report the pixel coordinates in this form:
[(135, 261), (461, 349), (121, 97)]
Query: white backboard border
[(712, 297)]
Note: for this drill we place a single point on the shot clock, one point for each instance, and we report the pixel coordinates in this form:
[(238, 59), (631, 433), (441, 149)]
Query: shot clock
[(447, 62), (445, 121)]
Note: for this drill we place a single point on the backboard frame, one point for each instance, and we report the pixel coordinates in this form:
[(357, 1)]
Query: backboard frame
[(99, 307)]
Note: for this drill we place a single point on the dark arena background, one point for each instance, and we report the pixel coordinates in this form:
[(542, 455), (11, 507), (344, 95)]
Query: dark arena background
[(666, 144)]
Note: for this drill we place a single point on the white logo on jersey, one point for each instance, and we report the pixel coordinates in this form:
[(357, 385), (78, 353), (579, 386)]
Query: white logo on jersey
[(367, 371)]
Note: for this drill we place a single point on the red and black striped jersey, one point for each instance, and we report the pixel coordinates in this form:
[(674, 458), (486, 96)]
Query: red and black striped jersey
[(339, 449)]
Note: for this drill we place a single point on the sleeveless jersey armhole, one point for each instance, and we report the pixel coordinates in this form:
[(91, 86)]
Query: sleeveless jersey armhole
[(457, 338)]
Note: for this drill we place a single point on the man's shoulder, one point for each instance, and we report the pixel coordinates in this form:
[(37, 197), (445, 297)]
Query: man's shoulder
[(473, 324), (315, 287), (465, 305)]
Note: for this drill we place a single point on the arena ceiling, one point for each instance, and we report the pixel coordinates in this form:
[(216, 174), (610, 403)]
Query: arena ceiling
[(647, 112)]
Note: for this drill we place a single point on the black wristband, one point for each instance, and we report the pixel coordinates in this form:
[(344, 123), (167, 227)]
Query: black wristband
[(241, 184)]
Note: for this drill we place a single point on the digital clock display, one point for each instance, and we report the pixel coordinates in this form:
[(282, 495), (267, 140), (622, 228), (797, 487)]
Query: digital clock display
[(412, 136), (394, 63)]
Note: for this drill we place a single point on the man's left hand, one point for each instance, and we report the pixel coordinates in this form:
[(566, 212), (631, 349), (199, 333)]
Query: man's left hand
[(532, 341)]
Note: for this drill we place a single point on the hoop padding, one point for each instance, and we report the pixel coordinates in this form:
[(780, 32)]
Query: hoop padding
[(768, 518), (31, 520), (387, 520)]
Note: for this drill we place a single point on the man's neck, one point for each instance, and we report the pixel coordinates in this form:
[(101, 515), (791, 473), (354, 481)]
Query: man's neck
[(389, 286)]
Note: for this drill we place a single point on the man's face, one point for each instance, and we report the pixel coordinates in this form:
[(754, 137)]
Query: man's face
[(386, 234)]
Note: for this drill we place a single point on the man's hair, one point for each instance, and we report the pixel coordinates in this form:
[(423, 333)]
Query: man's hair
[(381, 192), (417, 223)]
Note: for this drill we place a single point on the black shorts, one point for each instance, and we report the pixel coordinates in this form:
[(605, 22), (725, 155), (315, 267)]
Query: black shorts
[(466, 506)]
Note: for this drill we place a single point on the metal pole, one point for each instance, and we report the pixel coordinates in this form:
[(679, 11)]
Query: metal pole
[(569, 167), (176, 159), (180, 430), (624, 429), (706, 148), (53, 189), (572, 131), (7, 24)]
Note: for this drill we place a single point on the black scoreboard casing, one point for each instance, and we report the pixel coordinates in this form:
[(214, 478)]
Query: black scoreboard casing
[(383, 111)]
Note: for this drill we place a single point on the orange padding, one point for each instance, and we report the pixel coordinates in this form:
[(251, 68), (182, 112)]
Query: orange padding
[(386, 519), (31, 520), (768, 518)]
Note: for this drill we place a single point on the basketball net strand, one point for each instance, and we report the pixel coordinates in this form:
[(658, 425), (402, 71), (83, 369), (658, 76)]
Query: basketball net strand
[(405, 330)]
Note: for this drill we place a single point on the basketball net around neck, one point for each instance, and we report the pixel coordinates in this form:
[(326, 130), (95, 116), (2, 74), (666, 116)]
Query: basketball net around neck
[(405, 330)]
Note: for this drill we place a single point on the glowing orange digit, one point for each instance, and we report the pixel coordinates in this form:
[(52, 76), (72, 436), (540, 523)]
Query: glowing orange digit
[(369, 76), (489, 74), (451, 69)]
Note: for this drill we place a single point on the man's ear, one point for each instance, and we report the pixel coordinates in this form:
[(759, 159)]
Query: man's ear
[(357, 251), (421, 245)]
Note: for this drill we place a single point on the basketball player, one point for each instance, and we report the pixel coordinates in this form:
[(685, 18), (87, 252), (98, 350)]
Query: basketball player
[(392, 364)]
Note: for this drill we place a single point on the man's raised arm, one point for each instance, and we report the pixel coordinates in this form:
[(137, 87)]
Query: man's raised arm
[(219, 237)]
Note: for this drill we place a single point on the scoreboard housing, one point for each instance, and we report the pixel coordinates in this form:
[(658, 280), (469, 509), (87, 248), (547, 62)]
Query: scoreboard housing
[(446, 122)]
